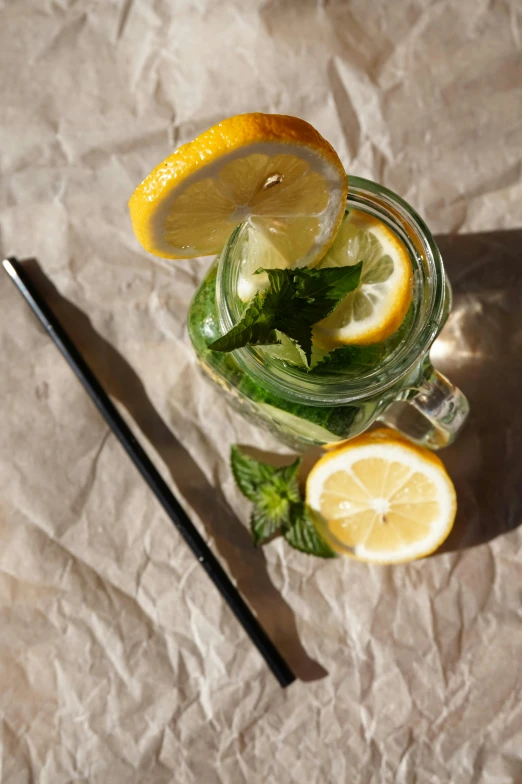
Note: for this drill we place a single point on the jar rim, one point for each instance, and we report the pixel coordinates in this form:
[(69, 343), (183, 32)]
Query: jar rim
[(298, 385)]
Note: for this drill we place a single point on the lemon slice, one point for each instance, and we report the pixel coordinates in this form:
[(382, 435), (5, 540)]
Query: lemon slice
[(273, 171), (382, 499), (257, 251), (378, 306)]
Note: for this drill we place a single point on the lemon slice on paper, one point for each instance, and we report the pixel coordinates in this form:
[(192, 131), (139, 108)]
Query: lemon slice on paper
[(382, 499), (378, 306), (273, 171)]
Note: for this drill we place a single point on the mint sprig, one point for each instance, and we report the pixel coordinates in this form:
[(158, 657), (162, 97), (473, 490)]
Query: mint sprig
[(255, 328), (295, 300), (277, 504), (302, 533)]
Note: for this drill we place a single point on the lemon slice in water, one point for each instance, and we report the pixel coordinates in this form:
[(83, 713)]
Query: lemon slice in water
[(378, 306), (257, 251)]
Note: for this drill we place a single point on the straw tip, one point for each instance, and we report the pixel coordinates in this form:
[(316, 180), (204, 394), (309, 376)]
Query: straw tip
[(9, 265)]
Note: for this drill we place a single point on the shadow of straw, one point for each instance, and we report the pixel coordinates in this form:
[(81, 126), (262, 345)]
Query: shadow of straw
[(246, 564)]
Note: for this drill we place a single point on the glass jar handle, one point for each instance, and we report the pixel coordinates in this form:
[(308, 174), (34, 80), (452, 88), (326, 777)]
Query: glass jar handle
[(442, 407)]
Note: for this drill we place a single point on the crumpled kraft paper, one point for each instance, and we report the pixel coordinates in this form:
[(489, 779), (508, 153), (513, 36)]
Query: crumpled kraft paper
[(118, 660)]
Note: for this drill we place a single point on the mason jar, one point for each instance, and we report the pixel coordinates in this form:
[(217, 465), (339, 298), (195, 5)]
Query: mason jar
[(304, 409)]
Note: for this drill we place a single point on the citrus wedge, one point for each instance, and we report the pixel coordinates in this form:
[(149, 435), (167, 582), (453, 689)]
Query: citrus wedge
[(378, 306), (257, 251), (382, 499), (275, 172)]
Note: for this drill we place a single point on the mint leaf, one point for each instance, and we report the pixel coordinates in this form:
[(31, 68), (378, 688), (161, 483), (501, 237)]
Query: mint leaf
[(255, 328), (315, 294), (293, 303), (261, 525), (328, 285), (303, 535), (298, 329), (277, 503), (249, 474), (272, 490), (271, 510), (280, 284), (287, 481), (289, 351)]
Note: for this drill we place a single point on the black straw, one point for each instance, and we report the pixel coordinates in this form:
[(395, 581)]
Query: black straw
[(149, 472)]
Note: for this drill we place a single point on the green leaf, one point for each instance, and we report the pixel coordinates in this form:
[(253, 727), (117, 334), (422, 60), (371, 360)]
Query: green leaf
[(286, 480), (270, 514), (277, 504), (272, 490), (329, 283), (250, 474), (255, 328), (280, 285), (289, 351), (303, 535), (293, 303), (316, 294), (261, 525), (322, 290), (273, 501), (299, 330)]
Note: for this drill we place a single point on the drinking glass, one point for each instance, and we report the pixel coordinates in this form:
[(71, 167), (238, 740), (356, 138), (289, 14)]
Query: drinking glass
[(304, 409)]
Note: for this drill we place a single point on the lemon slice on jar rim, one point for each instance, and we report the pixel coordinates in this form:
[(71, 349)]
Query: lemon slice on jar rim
[(274, 172)]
